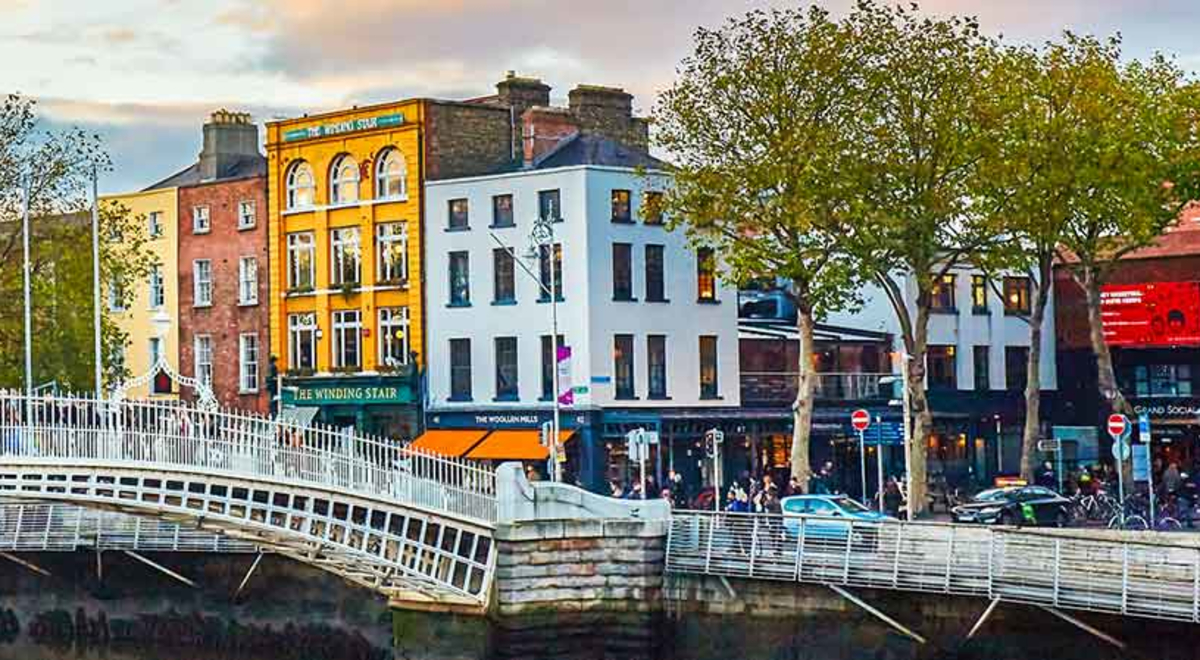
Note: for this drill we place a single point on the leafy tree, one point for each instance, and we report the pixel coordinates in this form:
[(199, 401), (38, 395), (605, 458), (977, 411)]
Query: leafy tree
[(754, 122), (915, 163), (59, 167)]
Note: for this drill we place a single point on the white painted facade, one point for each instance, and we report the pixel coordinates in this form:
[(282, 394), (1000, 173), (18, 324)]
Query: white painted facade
[(964, 328), (589, 317)]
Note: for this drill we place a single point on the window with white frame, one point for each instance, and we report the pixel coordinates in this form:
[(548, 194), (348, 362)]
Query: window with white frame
[(302, 341), (202, 283), (343, 180), (157, 295), (200, 220), (116, 297), (302, 259), (204, 359), (347, 347), (301, 186), (393, 336), (391, 180), (247, 214), (154, 224), (248, 362), (248, 281), (391, 243), (347, 256)]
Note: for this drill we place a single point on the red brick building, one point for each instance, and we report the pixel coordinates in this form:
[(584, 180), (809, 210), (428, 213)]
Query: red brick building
[(223, 305), (1160, 376)]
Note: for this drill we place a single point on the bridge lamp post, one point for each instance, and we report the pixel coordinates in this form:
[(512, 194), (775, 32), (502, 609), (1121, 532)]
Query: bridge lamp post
[(542, 236)]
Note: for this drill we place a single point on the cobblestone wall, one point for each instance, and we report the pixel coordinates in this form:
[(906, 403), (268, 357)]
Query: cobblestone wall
[(580, 565)]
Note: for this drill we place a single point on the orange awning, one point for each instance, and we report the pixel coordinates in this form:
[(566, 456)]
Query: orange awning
[(448, 442), (524, 445)]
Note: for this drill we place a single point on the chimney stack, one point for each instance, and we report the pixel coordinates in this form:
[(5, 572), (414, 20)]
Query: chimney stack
[(228, 137), (608, 111)]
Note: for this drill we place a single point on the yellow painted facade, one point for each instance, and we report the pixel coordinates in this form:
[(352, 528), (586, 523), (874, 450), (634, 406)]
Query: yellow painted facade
[(138, 311), (363, 134)]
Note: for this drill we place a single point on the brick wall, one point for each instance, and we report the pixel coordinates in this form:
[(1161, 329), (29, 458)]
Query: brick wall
[(226, 319), (466, 139)]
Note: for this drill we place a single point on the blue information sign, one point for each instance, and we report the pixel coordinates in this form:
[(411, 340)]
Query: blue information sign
[(883, 433), (1141, 462)]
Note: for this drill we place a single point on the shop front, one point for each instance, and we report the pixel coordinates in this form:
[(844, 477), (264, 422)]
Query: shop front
[(515, 435), (1175, 429), (388, 406)]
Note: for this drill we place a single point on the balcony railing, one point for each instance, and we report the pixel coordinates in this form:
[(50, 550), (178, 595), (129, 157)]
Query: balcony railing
[(779, 387)]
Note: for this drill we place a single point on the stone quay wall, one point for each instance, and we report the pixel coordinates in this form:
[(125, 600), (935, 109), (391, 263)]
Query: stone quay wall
[(546, 566)]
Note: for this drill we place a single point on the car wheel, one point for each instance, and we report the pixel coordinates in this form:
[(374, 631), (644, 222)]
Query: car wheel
[(1063, 520), (1007, 518)]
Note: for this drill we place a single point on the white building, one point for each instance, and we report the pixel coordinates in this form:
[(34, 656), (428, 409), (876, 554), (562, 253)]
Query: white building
[(650, 328)]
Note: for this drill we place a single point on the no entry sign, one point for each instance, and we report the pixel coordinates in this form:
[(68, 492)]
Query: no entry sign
[(1118, 425), (860, 419)]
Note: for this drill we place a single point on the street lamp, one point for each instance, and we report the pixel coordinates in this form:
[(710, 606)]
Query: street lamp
[(541, 236)]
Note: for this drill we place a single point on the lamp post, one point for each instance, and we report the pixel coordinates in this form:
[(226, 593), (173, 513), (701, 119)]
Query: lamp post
[(99, 364), (541, 236)]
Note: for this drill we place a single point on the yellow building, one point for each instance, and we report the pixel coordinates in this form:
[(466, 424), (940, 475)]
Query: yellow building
[(344, 192), (158, 210)]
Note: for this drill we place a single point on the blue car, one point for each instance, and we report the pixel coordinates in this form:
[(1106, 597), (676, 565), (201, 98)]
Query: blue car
[(830, 518)]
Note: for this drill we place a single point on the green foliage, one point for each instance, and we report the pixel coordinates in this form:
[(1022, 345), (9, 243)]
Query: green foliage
[(59, 166), (754, 123)]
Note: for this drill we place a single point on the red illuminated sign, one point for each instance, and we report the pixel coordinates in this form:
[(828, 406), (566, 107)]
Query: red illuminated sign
[(1151, 314)]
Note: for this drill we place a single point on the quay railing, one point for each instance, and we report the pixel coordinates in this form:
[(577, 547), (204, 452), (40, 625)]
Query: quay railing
[(1153, 576), (66, 528), (70, 430)]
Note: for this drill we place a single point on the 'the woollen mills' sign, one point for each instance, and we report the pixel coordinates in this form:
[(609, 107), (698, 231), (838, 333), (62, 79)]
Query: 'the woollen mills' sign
[(347, 126)]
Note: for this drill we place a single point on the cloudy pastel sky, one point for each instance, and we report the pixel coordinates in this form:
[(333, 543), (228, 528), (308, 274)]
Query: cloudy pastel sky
[(145, 73)]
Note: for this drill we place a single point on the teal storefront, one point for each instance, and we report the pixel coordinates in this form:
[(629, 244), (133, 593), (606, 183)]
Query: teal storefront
[(385, 405)]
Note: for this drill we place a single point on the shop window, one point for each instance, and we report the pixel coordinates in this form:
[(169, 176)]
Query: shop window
[(506, 369), (1016, 295), (1163, 380), (941, 368), (941, 297)]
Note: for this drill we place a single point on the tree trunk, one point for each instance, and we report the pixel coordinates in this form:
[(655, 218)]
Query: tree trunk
[(802, 408), (1106, 377), (1033, 380), (922, 417)]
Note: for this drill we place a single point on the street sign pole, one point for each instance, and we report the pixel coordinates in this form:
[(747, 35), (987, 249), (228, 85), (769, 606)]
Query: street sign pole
[(645, 449), (862, 463), (879, 464), (1144, 435), (1118, 426)]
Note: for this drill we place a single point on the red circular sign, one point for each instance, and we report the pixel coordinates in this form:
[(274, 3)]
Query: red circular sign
[(860, 419), (1117, 424)]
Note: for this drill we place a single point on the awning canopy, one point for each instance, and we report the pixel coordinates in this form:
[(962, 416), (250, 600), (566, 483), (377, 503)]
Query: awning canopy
[(301, 416), (522, 445), (448, 442)]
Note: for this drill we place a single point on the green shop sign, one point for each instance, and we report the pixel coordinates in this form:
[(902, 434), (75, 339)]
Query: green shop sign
[(347, 394), (348, 126)]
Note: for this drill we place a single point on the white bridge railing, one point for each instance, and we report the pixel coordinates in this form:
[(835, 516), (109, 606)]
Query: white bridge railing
[(171, 434), (1148, 578), (66, 528)]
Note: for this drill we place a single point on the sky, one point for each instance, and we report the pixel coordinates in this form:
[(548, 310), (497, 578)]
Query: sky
[(145, 73)]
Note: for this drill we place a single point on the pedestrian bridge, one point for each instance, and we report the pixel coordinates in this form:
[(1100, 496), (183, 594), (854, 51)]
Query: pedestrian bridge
[(1138, 574), (409, 525)]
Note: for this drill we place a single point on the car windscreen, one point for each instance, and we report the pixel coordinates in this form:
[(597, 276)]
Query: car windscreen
[(994, 495), (850, 505)]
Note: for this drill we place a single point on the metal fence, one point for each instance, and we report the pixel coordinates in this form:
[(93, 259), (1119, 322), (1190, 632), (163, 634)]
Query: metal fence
[(81, 431), (1156, 579), (66, 528)]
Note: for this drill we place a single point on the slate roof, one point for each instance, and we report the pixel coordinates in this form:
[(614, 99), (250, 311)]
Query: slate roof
[(589, 149), (242, 168)]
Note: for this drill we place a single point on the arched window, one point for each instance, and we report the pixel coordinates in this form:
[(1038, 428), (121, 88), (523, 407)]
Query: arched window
[(343, 180), (300, 186), (391, 181)]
